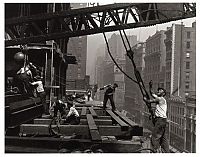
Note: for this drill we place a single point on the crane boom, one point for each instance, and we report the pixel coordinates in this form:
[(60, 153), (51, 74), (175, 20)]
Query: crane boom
[(92, 20)]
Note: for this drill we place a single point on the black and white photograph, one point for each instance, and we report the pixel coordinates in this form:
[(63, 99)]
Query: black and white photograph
[(92, 77)]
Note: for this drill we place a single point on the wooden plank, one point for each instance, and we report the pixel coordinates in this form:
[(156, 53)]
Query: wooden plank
[(136, 130), (68, 130), (84, 111), (91, 123), (123, 125), (93, 128), (92, 112), (71, 144), (98, 122), (126, 119), (82, 121), (18, 149)]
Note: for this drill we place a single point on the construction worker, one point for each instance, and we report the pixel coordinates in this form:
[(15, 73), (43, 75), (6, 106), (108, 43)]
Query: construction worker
[(40, 90), (159, 136), (60, 106), (110, 90), (72, 117), (89, 94)]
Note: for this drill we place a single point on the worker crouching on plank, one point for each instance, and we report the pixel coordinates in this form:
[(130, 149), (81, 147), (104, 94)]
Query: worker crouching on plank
[(110, 90), (159, 134), (72, 117)]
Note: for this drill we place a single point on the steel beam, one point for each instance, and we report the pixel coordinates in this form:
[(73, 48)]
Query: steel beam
[(123, 125), (86, 21)]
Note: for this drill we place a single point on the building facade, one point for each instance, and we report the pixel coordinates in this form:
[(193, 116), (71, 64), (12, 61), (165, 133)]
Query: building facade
[(180, 60), (155, 60)]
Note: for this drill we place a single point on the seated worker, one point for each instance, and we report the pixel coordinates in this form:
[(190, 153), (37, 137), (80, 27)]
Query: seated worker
[(110, 90), (72, 117)]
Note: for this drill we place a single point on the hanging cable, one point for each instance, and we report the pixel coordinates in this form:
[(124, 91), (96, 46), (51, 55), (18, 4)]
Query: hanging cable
[(115, 61), (138, 76)]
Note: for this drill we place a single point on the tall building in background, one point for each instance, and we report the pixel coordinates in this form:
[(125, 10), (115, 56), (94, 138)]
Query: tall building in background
[(133, 97), (77, 46), (181, 60)]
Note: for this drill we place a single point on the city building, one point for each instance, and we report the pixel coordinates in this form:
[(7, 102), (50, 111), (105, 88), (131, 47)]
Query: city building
[(155, 60), (182, 123), (180, 60)]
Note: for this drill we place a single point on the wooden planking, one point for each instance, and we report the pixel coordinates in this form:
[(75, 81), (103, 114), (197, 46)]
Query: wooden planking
[(123, 125), (92, 112), (136, 130), (53, 143), (20, 149), (91, 123), (98, 122), (84, 111), (93, 128), (82, 121), (130, 122), (68, 130)]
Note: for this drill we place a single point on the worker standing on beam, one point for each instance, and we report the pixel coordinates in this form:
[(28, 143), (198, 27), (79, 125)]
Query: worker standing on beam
[(110, 90), (159, 134)]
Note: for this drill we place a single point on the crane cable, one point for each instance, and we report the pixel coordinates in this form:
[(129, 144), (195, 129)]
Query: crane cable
[(138, 77), (115, 61)]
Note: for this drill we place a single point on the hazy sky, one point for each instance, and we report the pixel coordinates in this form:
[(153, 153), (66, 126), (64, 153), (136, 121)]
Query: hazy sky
[(94, 41)]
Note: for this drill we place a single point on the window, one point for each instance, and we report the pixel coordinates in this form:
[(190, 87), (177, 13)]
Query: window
[(187, 54), (188, 35), (188, 45), (187, 65), (187, 75), (187, 85)]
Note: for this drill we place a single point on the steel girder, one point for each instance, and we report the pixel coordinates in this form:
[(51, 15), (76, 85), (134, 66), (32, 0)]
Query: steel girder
[(92, 20)]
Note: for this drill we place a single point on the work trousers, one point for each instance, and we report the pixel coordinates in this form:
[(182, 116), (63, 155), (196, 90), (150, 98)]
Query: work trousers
[(110, 97), (159, 135)]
